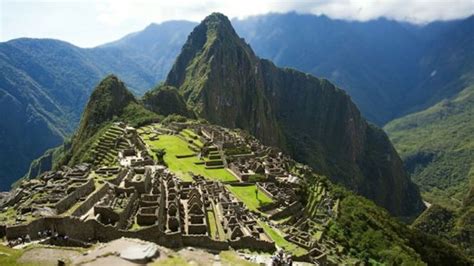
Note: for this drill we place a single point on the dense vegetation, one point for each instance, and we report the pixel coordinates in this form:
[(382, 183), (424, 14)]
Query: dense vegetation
[(166, 100), (438, 148), (369, 233)]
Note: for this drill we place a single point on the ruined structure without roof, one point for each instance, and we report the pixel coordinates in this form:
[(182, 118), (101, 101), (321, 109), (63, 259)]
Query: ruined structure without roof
[(198, 198)]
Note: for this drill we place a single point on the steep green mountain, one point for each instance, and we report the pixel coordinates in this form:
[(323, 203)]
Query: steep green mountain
[(166, 100), (110, 101), (438, 148), (456, 226), (226, 83), (352, 54)]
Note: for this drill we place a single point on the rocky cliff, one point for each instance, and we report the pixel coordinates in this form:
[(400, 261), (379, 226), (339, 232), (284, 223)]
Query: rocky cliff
[(224, 82)]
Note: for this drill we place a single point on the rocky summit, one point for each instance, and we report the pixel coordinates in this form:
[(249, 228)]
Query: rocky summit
[(226, 83)]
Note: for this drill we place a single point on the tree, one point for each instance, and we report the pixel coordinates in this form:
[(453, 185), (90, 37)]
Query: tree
[(160, 154)]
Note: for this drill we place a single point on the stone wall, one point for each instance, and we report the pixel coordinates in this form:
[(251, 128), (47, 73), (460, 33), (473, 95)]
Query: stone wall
[(120, 176), (70, 199), (91, 201), (131, 207), (290, 210), (204, 242), (92, 230), (248, 242), (262, 189)]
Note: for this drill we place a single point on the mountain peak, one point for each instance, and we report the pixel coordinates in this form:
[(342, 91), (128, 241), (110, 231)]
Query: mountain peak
[(107, 100), (224, 82), (213, 35), (217, 20)]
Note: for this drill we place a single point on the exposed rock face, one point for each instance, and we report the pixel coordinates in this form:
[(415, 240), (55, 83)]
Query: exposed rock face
[(317, 123), (166, 100)]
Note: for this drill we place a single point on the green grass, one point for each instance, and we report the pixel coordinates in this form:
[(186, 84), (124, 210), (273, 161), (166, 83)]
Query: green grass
[(282, 242), (9, 256), (231, 258), (8, 216), (212, 225), (174, 145), (248, 195), (190, 135), (171, 261)]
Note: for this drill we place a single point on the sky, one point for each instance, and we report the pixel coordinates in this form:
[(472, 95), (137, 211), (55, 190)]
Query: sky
[(88, 23)]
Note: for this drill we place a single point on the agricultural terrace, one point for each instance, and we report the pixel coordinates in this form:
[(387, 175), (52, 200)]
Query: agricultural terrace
[(280, 241), (250, 195), (188, 162)]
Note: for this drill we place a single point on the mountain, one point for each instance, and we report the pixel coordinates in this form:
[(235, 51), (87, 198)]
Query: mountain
[(446, 68), (454, 225), (388, 67), (355, 55), (227, 84), (154, 48), (166, 100), (438, 148), (45, 84)]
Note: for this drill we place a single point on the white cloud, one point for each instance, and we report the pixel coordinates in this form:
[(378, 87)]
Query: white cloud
[(92, 22)]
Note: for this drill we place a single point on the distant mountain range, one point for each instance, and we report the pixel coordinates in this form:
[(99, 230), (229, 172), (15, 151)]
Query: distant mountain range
[(44, 86), (389, 68)]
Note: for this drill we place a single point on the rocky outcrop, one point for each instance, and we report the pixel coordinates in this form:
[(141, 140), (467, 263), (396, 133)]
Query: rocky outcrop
[(226, 83)]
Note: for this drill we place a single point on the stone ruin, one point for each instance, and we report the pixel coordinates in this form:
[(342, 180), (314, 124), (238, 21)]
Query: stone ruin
[(126, 193)]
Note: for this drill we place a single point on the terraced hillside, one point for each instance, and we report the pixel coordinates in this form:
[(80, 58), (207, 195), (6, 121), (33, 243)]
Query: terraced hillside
[(105, 150)]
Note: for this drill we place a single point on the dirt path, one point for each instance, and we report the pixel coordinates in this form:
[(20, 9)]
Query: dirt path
[(47, 256)]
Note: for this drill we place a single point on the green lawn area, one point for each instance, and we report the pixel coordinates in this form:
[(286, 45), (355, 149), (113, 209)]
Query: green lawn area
[(212, 224), (248, 195), (8, 256), (230, 257), (280, 241), (174, 145), (189, 134)]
